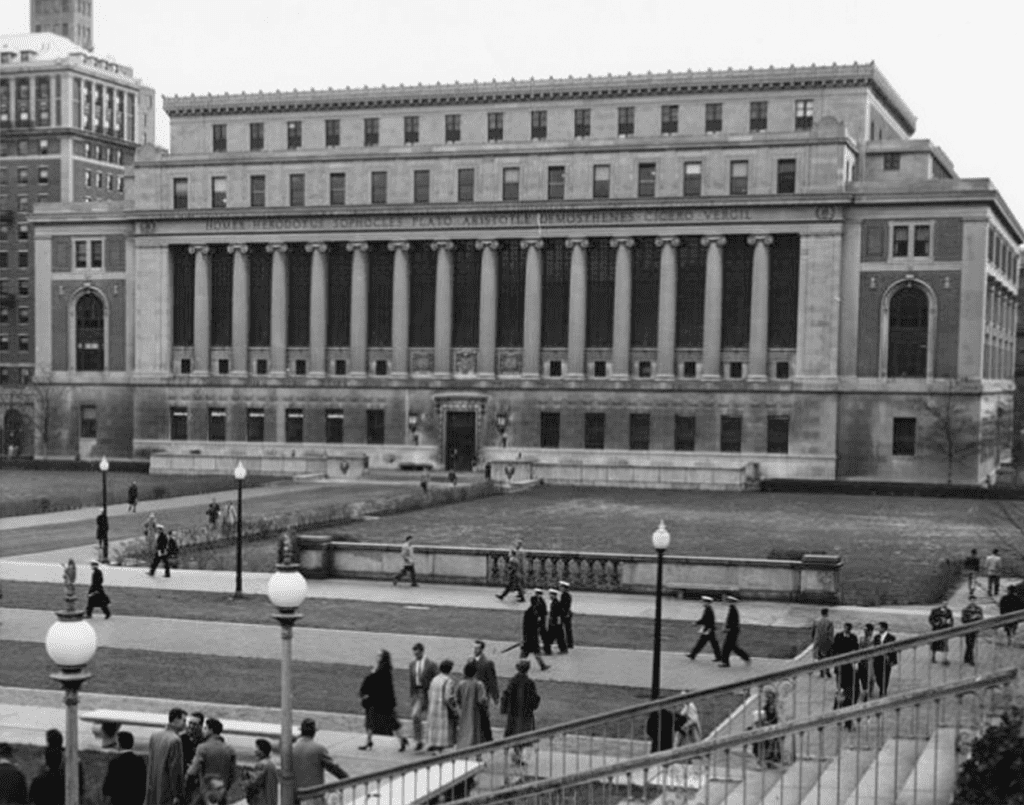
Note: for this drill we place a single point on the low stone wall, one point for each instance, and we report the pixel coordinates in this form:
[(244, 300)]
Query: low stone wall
[(814, 578)]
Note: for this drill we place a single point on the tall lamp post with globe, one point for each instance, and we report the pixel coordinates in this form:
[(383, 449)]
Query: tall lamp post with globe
[(286, 591), (71, 644), (660, 539), (239, 474)]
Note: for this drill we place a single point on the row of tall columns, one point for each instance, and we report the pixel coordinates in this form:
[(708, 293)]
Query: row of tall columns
[(443, 307)]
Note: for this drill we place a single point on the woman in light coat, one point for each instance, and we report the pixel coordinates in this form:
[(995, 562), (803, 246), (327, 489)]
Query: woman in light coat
[(442, 709)]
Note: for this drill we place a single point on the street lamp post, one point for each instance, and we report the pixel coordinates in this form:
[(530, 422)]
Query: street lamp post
[(104, 469), (240, 474), (501, 421), (71, 644), (661, 540), (286, 591), (414, 423)]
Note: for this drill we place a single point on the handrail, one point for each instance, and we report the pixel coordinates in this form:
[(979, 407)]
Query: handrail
[(761, 680), (690, 752)]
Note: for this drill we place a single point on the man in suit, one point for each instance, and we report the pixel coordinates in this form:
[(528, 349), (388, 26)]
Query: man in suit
[(822, 635), (845, 642), (883, 665), (566, 613), (541, 608), (707, 631), (13, 783), (971, 613), (214, 764), (165, 775), (261, 787), (125, 782), (556, 629), (421, 671), (732, 633), (310, 760)]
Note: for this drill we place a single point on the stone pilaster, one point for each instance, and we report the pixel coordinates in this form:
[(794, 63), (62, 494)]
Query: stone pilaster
[(317, 309), (667, 307), (239, 308), (278, 308), (360, 308), (712, 353), (622, 314), (488, 330), (577, 306), (443, 307), (532, 307), (400, 307), (201, 310), (757, 361)]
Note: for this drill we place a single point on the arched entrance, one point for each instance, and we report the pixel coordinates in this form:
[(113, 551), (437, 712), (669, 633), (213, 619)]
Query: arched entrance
[(908, 333)]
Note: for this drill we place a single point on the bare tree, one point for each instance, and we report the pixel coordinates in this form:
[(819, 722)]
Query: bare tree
[(38, 408), (956, 432)]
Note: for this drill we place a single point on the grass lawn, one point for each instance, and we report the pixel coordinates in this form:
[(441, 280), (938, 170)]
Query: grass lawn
[(599, 631)]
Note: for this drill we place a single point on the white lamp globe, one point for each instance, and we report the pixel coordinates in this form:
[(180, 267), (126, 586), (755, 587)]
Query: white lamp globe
[(240, 471), (287, 589), (104, 464), (71, 643), (661, 539)]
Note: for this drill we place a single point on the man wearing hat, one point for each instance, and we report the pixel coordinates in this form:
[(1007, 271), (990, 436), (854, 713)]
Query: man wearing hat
[(707, 631), (261, 787), (732, 632), (97, 596), (555, 633), (566, 613)]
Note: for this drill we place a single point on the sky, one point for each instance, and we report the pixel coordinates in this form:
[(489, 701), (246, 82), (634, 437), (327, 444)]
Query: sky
[(956, 64)]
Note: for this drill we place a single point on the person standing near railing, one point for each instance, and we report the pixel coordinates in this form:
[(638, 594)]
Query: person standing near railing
[(971, 613), (845, 642), (883, 665), (865, 679), (822, 635)]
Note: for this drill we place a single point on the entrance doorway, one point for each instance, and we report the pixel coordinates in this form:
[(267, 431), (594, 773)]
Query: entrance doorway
[(460, 441)]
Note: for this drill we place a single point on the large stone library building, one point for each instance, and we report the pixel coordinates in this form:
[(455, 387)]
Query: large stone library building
[(681, 279)]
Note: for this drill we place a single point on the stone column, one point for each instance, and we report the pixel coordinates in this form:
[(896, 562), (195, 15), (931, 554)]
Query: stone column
[(317, 309), (757, 358), (623, 321), (712, 353), (359, 310), (488, 331), (239, 308), (278, 308), (201, 310), (532, 307), (577, 307), (399, 307), (443, 307), (667, 307)]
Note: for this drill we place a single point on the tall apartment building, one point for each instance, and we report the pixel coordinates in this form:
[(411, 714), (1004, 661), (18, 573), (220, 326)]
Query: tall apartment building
[(69, 126), (71, 19), (684, 279)]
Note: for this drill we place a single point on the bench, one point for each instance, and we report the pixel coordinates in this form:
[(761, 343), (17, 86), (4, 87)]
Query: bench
[(116, 718), (422, 785)]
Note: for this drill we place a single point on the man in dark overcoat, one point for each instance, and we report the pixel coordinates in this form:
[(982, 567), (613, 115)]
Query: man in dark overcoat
[(706, 622)]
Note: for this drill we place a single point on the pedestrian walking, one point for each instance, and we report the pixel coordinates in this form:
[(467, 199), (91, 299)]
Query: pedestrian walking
[(214, 765), (228, 521), (971, 613), (514, 566), (310, 760), (845, 642), (377, 694), (13, 783), (97, 597), (212, 514), (133, 496), (149, 527), (165, 773), (161, 552), (518, 703), (408, 562), (972, 566), (261, 783), (883, 665), (488, 676), (555, 634), (102, 535), (941, 617), (442, 709), (1012, 601), (732, 632), (994, 571), (421, 672), (706, 622), (471, 697), (822, 635), (865, 679), (530, 643), (125, 783), (566, 613)]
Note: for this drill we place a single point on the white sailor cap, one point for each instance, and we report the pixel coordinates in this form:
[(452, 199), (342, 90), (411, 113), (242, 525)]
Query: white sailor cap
[(563, 584), (707, 599)]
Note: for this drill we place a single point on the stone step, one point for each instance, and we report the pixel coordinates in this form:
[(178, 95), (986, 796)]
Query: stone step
[(887, 772), (932, 780)]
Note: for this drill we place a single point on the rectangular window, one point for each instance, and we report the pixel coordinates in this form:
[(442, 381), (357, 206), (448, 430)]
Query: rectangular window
[(255, 136), (257, 191), (218, 425), (371, 131), (602, 181), (669, 119), (452, 128), (297, 190), (645, 183), (639, 431), (181, 194), (337, 189), (332, 133), (81, 253), (922, 240), (293, 425), (891, 162), (220, 137), (759, 116), (466, 182), (412, 129), (538, 125), (556, 183), (379, 187), (375, 426), (335, 429), (626, 117), (510, 184), (593, 431), (732, 434), (96, 253), (22, 259), (219, 191), (550, 424), (778, 434), (23, 314), (692, 179), (495, 127), (87, 422), (179, 423), (294, 134), (421, 187), (786, 176), (581, 119), (738, 177), (804, 115), (43, 176), (254, 419), (712, 117), (23, 342), (900, 241), (904, 436)]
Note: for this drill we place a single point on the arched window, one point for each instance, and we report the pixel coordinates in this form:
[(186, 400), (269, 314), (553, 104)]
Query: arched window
[(89, 333), (908, 333)]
